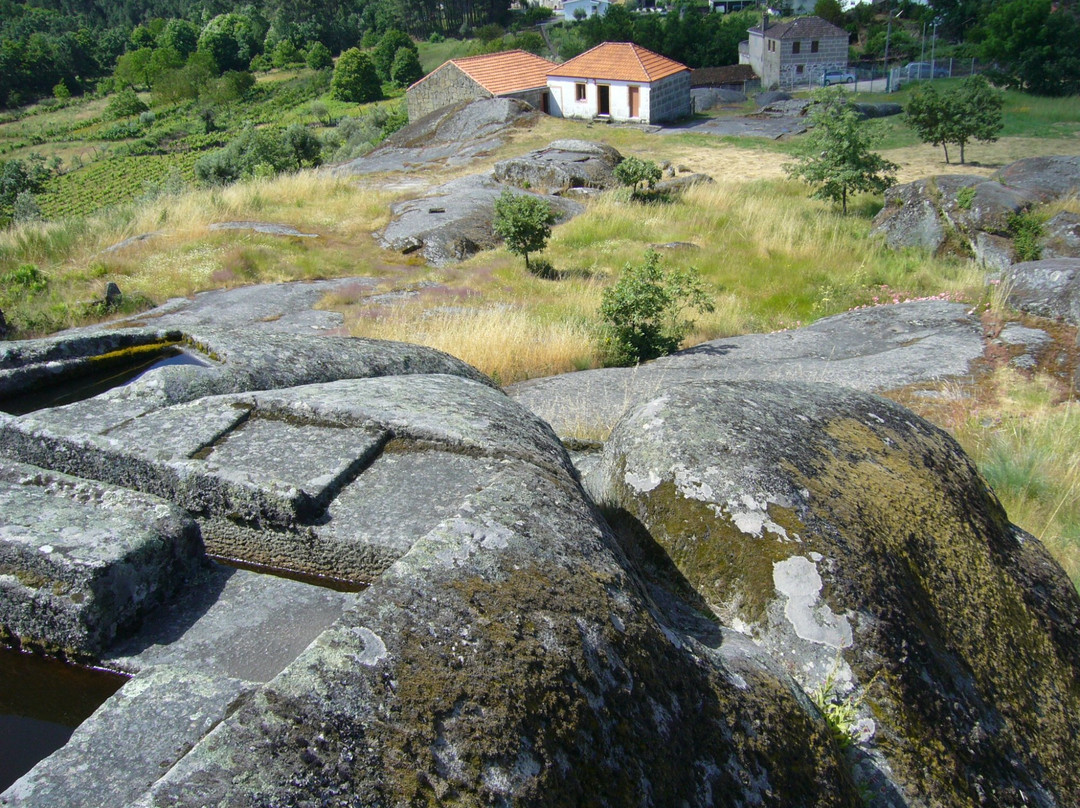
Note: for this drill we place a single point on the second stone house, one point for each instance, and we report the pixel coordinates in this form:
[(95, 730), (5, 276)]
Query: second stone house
[(799, 51)]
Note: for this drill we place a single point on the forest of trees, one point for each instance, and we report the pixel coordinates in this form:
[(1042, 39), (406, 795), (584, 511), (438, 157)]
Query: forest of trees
[(64, 47)]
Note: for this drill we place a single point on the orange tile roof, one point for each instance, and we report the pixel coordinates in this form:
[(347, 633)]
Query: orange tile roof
[(619, 61), (506, 72)]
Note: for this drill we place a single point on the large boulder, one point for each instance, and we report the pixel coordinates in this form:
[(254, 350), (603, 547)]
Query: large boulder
[(950, 212), (973, 215), (501, 651), (860, 546), (452, 136), (454, 221), (1047, 288), (1047, 178), (563, 165)]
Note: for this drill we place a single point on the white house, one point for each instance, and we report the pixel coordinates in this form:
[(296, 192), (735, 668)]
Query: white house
[(590, 8), (620, 81)]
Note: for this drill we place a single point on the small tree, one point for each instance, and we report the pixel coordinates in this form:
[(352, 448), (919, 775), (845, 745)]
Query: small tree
[(124, 104), (406, 68), (971, 111), (305, 146), (633, 171), (386, 51), (524, 222), (318, 56), (643, 313), (355, 78), (835, 155)]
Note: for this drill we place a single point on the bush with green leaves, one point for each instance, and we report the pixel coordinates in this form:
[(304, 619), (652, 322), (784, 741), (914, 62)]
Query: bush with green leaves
[(524, 222), (319, 57), (406, 68), (255, 153), (124, 104), (354, 137), (643, 313), (355, 78), (386, 51), (19, 178), (635, 172)]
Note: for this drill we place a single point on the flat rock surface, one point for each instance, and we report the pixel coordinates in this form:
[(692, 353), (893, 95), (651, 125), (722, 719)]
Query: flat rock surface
[(877, 348), (563, 165), (80, 562), (231, 625), (452, 136), (1048, 288), (761, 125), (453, 221), (134, 738)]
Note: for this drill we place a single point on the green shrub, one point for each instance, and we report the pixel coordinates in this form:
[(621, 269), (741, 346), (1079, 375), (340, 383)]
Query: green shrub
[(965, 196), (124, 104), (355, 78), (642, 313), (26, 279), (1027, 230), (524, 222), (318, 57), (633, 171)]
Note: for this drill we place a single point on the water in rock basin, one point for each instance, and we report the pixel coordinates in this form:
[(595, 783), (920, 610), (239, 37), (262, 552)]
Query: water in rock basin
[(77, 388), (42, 701)]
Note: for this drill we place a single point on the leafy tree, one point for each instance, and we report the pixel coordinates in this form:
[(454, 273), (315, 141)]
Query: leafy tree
[(18, 177), (384, 53), (406, 68), (524, 222), (830, 10), (61, 92), (180, 35), (124, 104), (643, 312), (633, 171), (318, 56), (1035, 44), (285, 53), (133, 68), (970, 111), (835, 155), (355, 78), (232, 39)]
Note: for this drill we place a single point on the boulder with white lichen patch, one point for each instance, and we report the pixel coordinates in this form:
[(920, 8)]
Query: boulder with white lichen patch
[(859, 545)]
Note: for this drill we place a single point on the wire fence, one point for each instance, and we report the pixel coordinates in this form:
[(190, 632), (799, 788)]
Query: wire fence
[(874, 78)]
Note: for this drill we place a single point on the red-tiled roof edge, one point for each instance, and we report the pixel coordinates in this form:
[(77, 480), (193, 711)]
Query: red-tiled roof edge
[(634, 48)]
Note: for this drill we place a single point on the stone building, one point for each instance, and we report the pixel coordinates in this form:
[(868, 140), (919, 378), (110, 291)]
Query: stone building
[(798, 51), (620, 81), (511, 74)]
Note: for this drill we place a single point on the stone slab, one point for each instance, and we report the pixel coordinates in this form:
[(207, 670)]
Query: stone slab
[(131, 741), (232, 623), (80, 561)]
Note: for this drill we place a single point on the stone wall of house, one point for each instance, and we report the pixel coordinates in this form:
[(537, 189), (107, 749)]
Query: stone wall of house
[(669, 99), (832, 55), (446, 85)]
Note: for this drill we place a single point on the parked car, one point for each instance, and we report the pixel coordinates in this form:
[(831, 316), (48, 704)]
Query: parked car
[(925, 70), (837, 77)]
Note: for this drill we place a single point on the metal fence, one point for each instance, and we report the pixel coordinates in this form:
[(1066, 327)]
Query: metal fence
[(874, 78)]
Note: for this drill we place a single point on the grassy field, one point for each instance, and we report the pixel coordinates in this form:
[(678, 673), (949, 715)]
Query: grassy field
[(771, 257)]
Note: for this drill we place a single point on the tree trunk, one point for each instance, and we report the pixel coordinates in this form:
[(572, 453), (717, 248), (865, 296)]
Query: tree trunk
[(945, 146), (843, 200)]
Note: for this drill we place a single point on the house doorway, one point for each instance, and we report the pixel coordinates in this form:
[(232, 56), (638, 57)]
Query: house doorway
[(603, 99), (545, 103), (635, 102)]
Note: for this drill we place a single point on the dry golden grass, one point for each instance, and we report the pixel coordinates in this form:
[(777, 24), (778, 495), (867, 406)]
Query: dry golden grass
[(507, 343)]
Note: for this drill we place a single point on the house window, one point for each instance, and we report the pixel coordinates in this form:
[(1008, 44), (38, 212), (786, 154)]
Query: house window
[(579, 92), (772, 45), (799, 69), (813, 46), (796, 47)]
